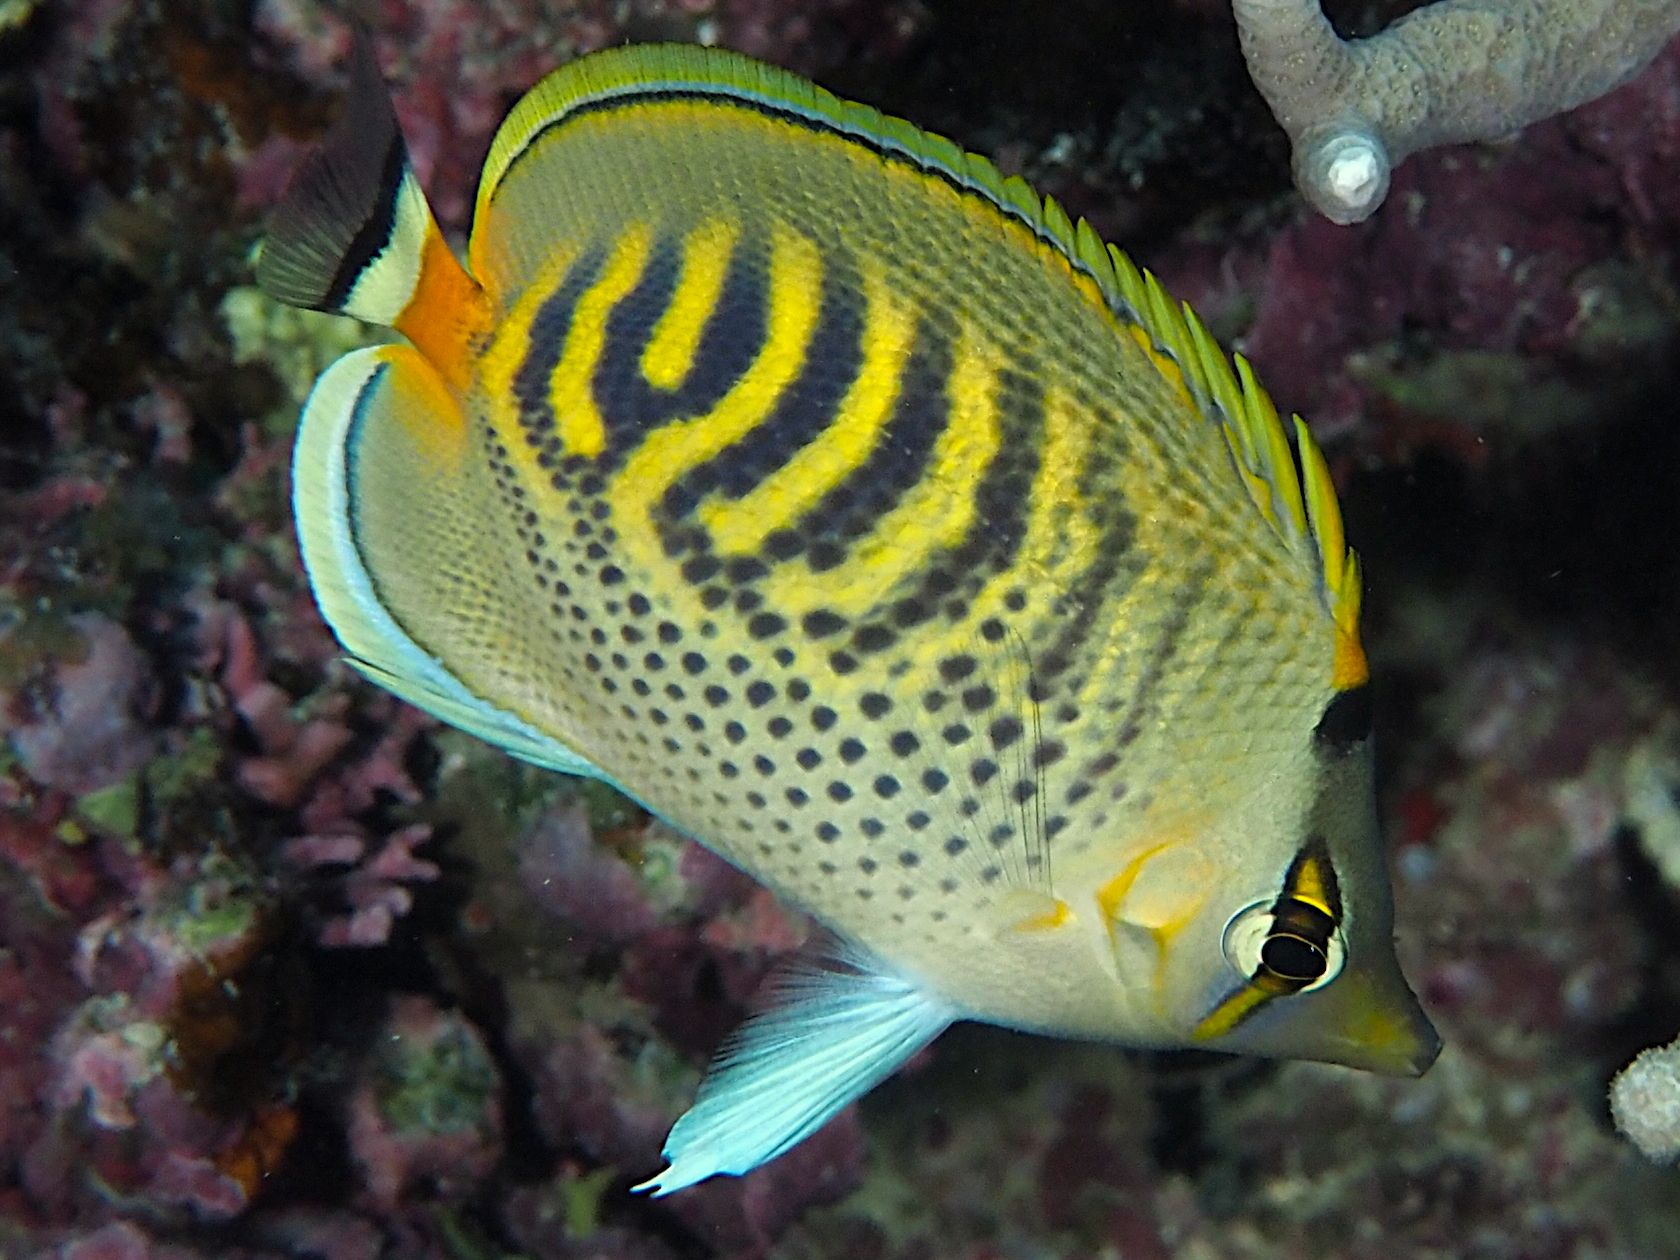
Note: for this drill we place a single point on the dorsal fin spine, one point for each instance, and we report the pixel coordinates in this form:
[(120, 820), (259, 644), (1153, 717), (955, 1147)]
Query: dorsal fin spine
[(1325, 515), (1092, 252), (1055, 218), (1265, 433)]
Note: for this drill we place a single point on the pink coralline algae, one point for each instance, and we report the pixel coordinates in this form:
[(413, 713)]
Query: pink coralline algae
[(374, 886), (119, 1240), (134, 1060), (82, 722), (745, 1217), (425, 1112), (581, 881), (586, 1098), (295, 749), (112, 1036), (292, 753), (693, 941)]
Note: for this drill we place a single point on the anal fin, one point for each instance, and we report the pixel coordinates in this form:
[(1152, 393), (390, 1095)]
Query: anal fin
[(389, 391), (837, 1028)]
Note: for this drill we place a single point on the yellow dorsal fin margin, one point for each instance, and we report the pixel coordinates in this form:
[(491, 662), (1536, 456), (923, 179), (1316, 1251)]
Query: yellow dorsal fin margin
[(1300, 505), (1256, 437)]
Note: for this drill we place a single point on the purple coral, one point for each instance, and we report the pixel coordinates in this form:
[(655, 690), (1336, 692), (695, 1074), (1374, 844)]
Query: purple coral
[(373, 887)]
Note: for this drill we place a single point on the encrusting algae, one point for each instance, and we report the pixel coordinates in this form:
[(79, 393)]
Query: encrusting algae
[(844, 503)]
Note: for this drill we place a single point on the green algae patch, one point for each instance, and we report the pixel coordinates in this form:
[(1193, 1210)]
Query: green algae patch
[(440, 1087), (297, 345), (114, 809)]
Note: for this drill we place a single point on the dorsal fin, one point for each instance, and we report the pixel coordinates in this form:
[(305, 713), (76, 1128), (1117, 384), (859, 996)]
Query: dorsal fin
[(1308, 522)]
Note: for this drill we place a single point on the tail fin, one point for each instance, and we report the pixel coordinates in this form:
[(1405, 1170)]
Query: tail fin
[(348, 236), (354, 235)]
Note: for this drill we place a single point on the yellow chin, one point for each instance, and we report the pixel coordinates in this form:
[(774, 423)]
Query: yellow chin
[(1366, 1018)]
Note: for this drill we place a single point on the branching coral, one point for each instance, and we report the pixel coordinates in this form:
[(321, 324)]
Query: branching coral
[(1453, 71)]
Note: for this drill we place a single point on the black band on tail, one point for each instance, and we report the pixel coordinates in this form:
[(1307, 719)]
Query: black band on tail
[(340, 208)]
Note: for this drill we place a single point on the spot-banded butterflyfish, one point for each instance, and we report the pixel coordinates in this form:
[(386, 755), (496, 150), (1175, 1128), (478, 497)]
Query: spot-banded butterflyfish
[(848, 506)]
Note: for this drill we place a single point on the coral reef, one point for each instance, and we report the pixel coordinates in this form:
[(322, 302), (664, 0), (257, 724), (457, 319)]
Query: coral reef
[(288, 971)]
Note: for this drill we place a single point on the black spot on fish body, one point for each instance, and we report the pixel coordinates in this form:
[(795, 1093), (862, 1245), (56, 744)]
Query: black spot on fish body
[(873, 638), (954, 669)]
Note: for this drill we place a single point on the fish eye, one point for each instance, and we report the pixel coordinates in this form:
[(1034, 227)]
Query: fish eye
[(1293, 959), (1284, 946)]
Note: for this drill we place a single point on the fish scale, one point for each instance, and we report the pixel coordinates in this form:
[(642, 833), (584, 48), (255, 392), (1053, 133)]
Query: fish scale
[(874, 524)]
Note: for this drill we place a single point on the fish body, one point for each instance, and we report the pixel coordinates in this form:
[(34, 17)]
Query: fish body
[(862, 516)]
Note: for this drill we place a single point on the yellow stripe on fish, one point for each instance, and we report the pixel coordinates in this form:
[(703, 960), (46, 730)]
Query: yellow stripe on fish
[(849, 506)]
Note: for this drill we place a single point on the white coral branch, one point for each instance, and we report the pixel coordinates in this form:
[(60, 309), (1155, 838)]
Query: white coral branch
[(1645, 1101), (1450, 72)]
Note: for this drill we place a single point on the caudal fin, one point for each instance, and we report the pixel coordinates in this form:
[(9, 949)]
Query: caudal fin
[(349, 236), (354, 235)]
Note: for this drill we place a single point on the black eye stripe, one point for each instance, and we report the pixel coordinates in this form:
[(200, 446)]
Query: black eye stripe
[(1346, 721), (1293, 917), (1309, 874), (1296, 949)]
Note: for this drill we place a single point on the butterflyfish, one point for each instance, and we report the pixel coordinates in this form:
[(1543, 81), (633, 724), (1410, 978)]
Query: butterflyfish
[(844, 503)]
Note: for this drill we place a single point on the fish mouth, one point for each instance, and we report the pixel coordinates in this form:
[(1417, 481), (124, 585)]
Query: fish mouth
[(1367, 1018), (1376, 1023)]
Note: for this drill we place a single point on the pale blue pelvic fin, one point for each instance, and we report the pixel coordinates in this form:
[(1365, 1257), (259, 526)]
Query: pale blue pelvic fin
[(836, 1028)]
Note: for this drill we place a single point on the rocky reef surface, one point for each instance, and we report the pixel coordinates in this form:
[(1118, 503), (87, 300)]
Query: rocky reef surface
[(288, 970)]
